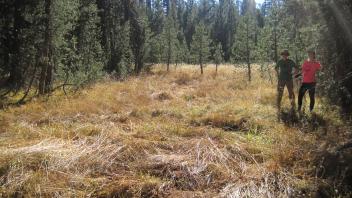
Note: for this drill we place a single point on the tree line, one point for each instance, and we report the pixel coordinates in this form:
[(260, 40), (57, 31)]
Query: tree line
[(52, 44)]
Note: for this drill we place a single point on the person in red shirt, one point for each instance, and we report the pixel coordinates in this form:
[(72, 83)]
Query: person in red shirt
[(309, 69)]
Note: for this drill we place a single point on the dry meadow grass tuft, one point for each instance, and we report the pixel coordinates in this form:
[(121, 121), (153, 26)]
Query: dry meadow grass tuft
[(161, 135)]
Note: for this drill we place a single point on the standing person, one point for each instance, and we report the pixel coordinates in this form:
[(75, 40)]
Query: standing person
[(309, 69), (284, 70)]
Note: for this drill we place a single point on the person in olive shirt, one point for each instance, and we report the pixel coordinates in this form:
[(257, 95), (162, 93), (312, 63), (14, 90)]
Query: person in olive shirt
[(284, 69)]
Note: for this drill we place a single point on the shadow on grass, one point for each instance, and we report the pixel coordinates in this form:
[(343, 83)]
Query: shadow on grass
[(334, 165), (306, 122)]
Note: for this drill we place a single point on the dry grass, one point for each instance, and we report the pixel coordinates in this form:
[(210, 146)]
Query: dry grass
[(178, 135)]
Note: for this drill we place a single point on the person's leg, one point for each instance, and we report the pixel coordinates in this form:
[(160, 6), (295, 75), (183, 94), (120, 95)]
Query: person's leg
[(280, 91), (312, 96), (301, 93), (291, 93)]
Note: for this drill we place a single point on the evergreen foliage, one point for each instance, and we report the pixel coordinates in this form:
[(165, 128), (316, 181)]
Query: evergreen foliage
[(218, 55), (200, 46), (53, 44), (243, 50)]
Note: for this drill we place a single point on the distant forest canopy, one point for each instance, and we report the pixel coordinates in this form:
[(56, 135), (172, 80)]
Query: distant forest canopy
[(50, 44)]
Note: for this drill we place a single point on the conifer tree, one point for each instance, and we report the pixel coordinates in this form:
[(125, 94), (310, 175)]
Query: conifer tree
[(88, 46), (200, 46), (224, 26), (245, 41), (169, 38), (181, 49), (218, 56)]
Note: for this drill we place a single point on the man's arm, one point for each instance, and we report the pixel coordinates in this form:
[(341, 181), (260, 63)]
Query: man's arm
[(296, 72), (277, 68)]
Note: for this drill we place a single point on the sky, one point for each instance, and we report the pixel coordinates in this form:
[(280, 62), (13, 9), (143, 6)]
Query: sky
[(259, 1)]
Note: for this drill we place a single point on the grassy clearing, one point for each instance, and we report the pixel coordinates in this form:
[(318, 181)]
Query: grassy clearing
[(178, 134)]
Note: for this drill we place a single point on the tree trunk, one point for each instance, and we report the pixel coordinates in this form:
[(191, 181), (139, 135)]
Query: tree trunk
[(137, 40), (169, 53), (249, 71), (168, 65), (15, 70), (275, 44), (4, 82), (45, 81), (248, 52), (201, 64), (149, 4)]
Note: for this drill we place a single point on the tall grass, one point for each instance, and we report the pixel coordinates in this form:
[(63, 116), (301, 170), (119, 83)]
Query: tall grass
[(164, 134)]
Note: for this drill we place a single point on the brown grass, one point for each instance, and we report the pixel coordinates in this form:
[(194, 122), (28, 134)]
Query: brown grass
[(174, 134)]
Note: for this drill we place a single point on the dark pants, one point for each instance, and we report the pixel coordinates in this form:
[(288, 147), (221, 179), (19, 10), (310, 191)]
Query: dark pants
[(310, 87), (280, 91)]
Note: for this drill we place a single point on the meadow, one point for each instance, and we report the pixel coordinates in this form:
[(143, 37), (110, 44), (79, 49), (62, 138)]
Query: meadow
[(176, 134)]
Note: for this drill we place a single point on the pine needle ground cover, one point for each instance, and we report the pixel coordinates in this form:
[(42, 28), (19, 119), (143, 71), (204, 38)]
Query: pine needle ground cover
[(176, 134)]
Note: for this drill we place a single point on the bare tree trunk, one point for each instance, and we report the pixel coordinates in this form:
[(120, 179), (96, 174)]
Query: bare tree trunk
[(45, 81), (201, 64), (248, 53), (169, 54), (275, 43), (249, 71), (15, 70), (137, 39)]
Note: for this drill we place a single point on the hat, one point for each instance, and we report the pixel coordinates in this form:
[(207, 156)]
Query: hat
[(285, 52)]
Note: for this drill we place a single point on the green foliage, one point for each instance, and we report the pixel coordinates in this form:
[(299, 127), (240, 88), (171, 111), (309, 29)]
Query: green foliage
[(225, 25), (245, 40), (182, 52), (169, 40), (156, 21), (81, 56), (154, 49), (200, 46), (218, 54), (335, 46), (51, 42)]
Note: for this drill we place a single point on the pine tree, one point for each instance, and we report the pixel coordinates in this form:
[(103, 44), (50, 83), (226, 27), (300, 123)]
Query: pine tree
[(154, 49), (335, 48), (189, 22), (276, 33), (263, 52), (224, 26), (200, 46), (169, 38), (248, 6), (181, 49), (156, 23), (138, 26), (88, 46), (245, 41), (218, 56)]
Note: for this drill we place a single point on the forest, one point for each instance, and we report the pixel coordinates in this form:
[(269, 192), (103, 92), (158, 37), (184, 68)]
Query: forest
[(47, 45), (172, 98)]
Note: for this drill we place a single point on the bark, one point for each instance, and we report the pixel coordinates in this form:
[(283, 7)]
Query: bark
[(201, 64), (15, 70), (169, 53), (248, 52), (45, 81), (137, 41)]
